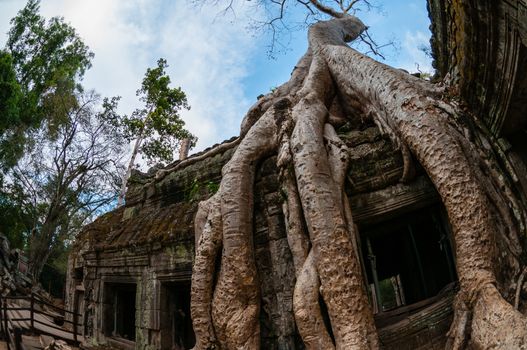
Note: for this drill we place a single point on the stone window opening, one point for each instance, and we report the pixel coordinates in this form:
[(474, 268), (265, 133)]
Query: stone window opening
[(407, 259), (176, 323), (119, 310)]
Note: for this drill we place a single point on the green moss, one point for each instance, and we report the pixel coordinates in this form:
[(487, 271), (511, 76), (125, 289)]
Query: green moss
[(192, 191), (129, 213), (212, 187)]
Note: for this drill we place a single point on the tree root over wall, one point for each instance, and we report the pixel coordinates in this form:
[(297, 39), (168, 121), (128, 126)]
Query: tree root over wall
[(330, 83)]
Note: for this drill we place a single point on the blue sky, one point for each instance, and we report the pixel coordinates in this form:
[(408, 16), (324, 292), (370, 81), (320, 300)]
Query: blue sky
[(220, 64)]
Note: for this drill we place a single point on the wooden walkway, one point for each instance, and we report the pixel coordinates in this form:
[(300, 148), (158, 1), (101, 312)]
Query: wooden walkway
[(31, 323), (41, 323)]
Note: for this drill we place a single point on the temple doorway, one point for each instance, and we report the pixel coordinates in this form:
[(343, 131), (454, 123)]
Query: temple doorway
[(176, 323)]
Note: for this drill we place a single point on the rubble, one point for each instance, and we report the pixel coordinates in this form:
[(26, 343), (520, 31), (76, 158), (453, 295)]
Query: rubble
[(11, 278)]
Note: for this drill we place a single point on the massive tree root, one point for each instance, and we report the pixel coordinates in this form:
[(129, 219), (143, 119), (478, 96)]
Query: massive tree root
[(333, 82)]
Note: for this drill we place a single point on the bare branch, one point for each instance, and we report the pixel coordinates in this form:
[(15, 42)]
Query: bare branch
[(373, 46), (326, 9), (306, 4), (350, 5)]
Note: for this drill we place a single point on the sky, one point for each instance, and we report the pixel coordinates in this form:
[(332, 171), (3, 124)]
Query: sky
[(220, 63)]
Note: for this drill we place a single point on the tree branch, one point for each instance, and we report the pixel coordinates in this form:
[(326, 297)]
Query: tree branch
[(326, 9)]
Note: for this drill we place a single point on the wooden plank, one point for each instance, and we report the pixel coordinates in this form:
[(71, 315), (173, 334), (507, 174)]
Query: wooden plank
[(46, 325), (42, 324), (31, 342)]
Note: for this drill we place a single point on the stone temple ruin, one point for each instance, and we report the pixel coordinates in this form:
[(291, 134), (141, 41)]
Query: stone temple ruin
[(130, 270)]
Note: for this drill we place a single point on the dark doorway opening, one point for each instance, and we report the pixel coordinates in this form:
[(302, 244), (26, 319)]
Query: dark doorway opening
[(78, 302), (119, 310), (407, 259), (176, 324)]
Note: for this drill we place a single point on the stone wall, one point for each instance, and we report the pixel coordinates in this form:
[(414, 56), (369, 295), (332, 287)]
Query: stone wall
[(480, 50), (482, 46)]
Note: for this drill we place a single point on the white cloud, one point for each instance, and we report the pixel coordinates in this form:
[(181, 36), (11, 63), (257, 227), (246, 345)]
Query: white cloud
[(210, 56), (414, 58), (9, 8)]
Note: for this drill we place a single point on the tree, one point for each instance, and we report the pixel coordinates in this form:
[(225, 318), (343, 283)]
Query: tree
[(64, 181), (14, 217), (157, 128), (40, 69), (10, 92), (10, 101), (41, 61), (333, 83)]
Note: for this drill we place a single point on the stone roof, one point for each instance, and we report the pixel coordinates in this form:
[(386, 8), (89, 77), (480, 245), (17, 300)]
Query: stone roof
[(138, 225), (159, 209)]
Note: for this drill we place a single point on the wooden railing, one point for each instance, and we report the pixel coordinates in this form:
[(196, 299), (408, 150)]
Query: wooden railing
[(33, 319)]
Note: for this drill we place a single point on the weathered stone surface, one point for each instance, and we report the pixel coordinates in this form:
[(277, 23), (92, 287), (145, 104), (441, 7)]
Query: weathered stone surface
[(482, 46), (12, 279)]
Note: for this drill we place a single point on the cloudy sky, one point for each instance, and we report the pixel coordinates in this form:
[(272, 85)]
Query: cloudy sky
[(220, 64)]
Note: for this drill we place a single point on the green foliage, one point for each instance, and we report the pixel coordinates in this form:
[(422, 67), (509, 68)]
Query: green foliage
[(45, 54), (388, 297), (11, 137), (63, 182), (212, 187), (15, 219), (158, 124), (196, 190), (10, 92), (60, 150), (193, 192), (53, 277), (40, 68), (425, 76)]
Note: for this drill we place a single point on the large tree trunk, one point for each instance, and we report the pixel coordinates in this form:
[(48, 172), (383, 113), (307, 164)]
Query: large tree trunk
[(40, 245), (295, 122), (40, 250)]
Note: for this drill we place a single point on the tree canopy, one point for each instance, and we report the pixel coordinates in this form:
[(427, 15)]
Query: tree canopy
[(60, 152), (63, 149), (71, 178), (42, 59), (158, 123), (156, 128)]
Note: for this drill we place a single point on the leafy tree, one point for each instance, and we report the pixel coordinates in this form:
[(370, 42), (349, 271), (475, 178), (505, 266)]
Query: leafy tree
[(157, 128), (40, 69), (14, 217), (70, 178), (42, 60), (10, 104), (53, 276), (10, 92)]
